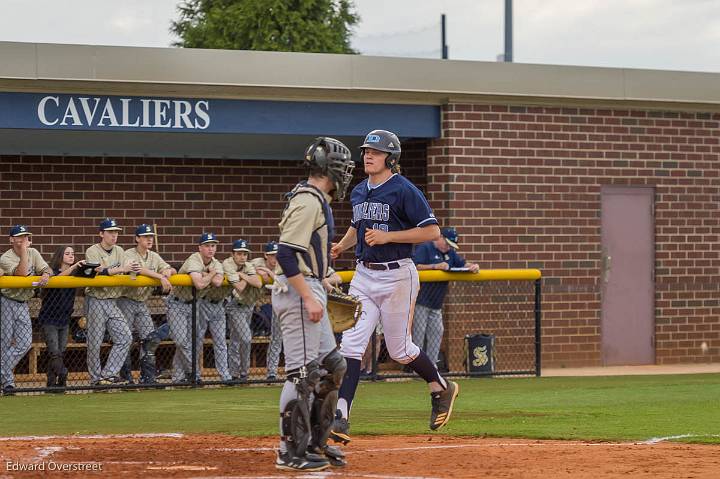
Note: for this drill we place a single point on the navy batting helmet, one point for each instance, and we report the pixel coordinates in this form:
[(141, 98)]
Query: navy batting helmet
[(334, 160), (387, 141)]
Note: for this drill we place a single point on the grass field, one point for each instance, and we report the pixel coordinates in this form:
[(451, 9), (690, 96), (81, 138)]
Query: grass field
[(614, 408)]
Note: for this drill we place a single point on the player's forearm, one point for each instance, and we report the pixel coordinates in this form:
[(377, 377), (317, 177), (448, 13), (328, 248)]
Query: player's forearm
[(22, 267), (421, 267), (200, 281), (150, 273), (349, 240), (252, 280), (415, 235), (334, 279), (240, 286)]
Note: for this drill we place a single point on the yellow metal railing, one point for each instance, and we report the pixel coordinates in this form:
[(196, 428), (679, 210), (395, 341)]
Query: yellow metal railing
[(482, 275), (184, 279)]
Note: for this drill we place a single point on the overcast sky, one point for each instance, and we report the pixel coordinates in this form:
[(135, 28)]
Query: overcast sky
[(661, 34)]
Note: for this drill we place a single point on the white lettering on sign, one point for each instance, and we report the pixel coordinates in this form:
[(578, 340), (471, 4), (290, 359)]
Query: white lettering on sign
[(126, 113)]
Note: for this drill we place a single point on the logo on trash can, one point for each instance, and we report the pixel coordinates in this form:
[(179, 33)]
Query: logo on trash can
[(480, 355)]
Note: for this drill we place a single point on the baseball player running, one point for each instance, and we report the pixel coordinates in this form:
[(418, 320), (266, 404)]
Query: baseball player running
[(16, 328), (205, 272), (102, 309), (390, 214), (313, 365), (133, 301), (265, 267), (245, 291)]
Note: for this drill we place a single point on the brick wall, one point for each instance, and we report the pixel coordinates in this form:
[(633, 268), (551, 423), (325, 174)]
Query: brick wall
[(522, 184), (64, 199)]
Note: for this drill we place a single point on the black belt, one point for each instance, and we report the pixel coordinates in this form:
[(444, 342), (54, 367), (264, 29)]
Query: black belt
[(381, 266), (13, 300), (178, 300)]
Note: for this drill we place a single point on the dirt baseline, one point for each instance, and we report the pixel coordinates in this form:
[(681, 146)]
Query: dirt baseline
[(416, 457)]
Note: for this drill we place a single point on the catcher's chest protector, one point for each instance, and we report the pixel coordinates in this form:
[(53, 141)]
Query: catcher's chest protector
[(325, 232)]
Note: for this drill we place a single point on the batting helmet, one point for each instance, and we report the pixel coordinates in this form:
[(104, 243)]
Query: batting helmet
[(334, 160), (387, 141)]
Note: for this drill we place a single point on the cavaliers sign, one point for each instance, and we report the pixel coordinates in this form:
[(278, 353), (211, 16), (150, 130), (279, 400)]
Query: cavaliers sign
[(109, 113), (113, 112)]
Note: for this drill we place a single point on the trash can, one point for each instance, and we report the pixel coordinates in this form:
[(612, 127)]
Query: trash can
[(480, 356)]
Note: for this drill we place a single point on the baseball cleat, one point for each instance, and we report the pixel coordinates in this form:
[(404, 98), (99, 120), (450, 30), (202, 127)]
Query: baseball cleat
[(340, 431), (442, 405), (335, 456), (286, 462), (112, 380)]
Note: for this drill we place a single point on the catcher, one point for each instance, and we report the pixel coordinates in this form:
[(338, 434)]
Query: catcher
[(313, 365)]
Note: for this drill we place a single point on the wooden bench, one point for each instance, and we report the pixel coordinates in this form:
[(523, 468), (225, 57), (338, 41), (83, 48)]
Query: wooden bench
[(30, 371)]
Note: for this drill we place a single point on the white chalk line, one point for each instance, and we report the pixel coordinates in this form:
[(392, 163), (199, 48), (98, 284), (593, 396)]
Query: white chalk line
[(45, 452), (94, 436), (656, 440)]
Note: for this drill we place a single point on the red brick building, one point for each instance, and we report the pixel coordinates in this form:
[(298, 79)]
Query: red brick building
[(605, 179)]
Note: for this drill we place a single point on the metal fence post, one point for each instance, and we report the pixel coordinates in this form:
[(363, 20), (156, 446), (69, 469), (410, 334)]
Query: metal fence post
[(193, 338), (538, 335)]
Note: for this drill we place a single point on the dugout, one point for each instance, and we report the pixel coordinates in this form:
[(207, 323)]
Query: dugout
[(605, 179)]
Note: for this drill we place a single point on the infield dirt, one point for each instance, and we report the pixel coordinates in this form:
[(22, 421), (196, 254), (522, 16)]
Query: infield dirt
[(376, 457)]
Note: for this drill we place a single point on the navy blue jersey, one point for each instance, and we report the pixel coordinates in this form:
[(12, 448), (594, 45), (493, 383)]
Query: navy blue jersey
[(395, 205), (432, 294)]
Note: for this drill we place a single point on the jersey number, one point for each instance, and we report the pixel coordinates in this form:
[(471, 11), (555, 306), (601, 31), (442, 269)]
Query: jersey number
[(380, 226)]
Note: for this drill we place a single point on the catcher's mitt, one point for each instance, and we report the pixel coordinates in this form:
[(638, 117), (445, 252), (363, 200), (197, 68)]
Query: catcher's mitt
[(343, 310)]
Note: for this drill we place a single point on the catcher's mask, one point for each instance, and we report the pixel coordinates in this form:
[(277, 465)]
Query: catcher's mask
[(387, 141), (334, 160)]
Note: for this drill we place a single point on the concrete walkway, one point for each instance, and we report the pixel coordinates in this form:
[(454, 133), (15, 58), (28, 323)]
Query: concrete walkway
[(634, 370)]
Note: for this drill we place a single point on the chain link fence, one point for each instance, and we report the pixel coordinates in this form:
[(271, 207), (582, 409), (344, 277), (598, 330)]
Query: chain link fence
[(69, 339)]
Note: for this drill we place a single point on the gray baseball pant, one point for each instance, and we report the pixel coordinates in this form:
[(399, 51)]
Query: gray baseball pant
[(428, 329), (138, 316), (239, 316), (179, 318), (303, 339), (16, 337), (275, 346), (102, 315), (212, 316)]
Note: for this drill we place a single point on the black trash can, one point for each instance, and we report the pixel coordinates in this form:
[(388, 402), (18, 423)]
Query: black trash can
[(480, 355)]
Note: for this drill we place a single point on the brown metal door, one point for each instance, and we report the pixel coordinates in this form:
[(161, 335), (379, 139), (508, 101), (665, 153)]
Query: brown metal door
[(627, 278)]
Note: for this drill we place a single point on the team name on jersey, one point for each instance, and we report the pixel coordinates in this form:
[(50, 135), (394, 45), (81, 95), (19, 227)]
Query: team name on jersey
[(371, 211)]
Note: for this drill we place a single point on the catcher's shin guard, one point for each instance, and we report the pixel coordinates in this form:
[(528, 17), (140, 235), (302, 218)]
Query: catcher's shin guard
[(325, 399), (296, 426)]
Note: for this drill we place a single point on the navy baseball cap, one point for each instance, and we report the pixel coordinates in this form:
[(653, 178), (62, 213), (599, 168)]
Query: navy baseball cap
[(144, 230), (451, 236), (271, 247), (241, 245), (208, 238), (109, 224), (19, 230)]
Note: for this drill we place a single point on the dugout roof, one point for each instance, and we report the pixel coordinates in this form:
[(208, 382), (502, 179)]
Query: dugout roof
[(101, 100)]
